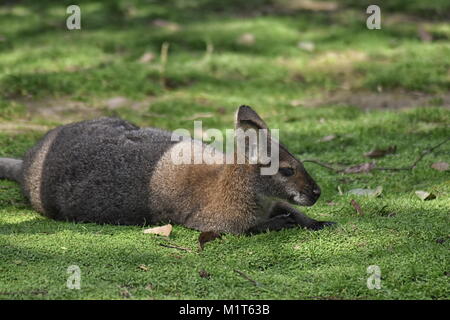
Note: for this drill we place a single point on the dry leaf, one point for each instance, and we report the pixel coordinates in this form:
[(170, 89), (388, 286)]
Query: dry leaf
[(306, 45), (204, 274), (124, 292), (296, 103), (221, 110), (357, 207), (440, 166), (378, 153), (367, 192), (116, 102), (143, 267), (424, 35), (424, 195), (360, 168), (246, 39), (172, 26), (162, 231), (207, 237), (328, 138), (147, 57)]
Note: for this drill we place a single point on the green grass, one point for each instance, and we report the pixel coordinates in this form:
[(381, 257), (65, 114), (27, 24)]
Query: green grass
[(41, 62)]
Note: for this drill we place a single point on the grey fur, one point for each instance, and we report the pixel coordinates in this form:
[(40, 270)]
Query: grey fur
[(95, 171), (10, 169)]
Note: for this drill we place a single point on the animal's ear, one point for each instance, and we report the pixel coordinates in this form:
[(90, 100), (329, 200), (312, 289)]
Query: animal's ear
[(247, 118), (253, 138)]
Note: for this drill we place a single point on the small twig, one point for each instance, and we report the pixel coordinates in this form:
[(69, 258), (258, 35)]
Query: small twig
[(325, 165), (209, 50), (357, 207), (410, 167), (419, 158), (175, 247), (164, 55), (246, 277)]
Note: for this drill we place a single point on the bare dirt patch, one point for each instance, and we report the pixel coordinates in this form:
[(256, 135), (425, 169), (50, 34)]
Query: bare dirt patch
[(59, 109), (65, 110), (21, 127), (377, 100)]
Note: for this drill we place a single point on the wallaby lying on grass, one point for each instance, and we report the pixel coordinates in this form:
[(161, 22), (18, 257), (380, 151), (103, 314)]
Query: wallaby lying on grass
[(110, 171)]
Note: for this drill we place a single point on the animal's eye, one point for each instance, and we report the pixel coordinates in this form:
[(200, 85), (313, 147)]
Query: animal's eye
[(287, 172)]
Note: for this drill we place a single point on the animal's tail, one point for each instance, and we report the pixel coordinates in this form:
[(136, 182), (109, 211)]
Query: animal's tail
[(10, 169)]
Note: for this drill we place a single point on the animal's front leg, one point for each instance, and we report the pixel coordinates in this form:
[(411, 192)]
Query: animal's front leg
[(276, 223), (302, 220)]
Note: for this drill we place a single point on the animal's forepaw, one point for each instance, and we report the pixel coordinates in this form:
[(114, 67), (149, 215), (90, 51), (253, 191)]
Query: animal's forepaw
[(319, 225)]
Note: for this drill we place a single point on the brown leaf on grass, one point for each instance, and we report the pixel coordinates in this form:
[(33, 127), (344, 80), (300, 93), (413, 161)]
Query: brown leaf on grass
[(378, 153), (424, 35), (360, 168), (298, 77), (221, 110), (246, 39), (204, 274), (147, 57), (367, 192), (296, 102), (124, 293), (162, 231), (207, 237), (306, 46), (116, 102), (171, 26), (357, 207), (440, 166), (143, 267), (328, 138), (424, 195)]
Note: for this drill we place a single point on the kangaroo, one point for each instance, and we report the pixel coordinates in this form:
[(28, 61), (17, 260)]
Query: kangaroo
[(110, 171)]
